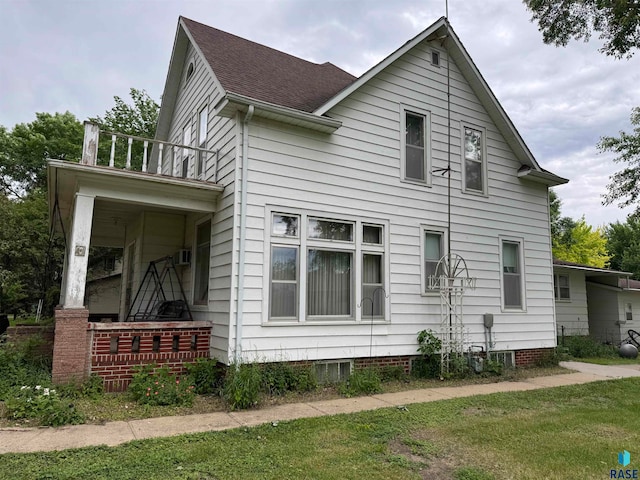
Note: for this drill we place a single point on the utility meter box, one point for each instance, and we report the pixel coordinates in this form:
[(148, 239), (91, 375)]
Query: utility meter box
[(488, 320)]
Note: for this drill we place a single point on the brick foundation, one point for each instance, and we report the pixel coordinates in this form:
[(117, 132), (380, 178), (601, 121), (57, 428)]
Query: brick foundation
[(528, 358), (70, 347), (398, 361), (118, 347)]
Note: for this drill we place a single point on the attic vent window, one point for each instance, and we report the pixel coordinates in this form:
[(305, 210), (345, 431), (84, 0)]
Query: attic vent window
[(435, 58), (190, 70)]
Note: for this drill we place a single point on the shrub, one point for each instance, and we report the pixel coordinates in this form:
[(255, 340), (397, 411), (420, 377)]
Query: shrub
[(42, 404), (428, 364), (364, 381), (92, 388), (242, 386), (22, 364), (206, 375), (458, 366), (389, 373), (581, 346), (281, 377), (158, 386)]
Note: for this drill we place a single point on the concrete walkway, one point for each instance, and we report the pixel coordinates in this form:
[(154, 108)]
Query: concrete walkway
[(22, 440)]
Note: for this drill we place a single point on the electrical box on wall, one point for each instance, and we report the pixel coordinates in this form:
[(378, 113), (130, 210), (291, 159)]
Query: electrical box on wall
[(182, 257), (488, 320)]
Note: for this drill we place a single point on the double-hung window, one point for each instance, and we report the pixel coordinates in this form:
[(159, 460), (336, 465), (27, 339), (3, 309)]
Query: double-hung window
[(313, 265), (512, 275), (561, 287), (202, 141), (474, 160), (415, 146), (186, 152), (433, 248)]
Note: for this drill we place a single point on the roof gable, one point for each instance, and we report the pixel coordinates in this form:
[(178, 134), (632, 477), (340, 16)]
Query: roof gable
[(252, 70)]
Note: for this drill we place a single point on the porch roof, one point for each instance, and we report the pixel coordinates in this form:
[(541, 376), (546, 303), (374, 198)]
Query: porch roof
[(119, 192)]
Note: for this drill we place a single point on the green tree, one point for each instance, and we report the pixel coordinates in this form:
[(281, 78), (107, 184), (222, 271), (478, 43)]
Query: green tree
[(25, 149), (139, 118), (624, 186), (623, 244), (554, 213), (581, 243), (617, 22)]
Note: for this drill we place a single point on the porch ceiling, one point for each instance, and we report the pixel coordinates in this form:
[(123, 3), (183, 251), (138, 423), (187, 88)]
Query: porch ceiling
[(122, 194)]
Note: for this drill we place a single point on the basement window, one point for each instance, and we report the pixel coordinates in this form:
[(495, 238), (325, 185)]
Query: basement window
[(333, 372)]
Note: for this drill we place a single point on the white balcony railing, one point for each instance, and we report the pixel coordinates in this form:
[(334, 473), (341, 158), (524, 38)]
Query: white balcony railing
[(145, 154)]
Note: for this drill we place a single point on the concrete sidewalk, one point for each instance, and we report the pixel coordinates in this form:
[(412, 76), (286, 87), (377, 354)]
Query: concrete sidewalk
[(22, 440)]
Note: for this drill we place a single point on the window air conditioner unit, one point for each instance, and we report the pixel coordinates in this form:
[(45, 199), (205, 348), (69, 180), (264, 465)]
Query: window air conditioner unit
[(182, 257)]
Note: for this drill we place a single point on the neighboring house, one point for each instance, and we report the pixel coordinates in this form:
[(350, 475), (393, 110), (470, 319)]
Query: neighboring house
[(316, 206), (595, 301)]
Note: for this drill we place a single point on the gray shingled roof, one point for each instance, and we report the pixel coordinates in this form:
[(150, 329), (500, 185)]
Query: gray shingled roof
[(253, 70)]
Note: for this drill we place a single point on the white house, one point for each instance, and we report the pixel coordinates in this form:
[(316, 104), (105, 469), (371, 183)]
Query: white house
[(594, 301), (316, 205)]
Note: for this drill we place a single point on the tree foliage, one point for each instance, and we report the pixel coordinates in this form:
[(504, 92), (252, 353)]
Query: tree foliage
[(624, 186), (616, 21), (582, 244), (25, 149), (623, 243)]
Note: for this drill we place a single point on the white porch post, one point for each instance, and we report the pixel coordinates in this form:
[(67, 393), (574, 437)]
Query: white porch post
[(78, 253)]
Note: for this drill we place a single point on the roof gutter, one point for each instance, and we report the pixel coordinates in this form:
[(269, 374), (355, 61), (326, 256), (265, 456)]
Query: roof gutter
[(540, 176), (243, 232), (233, 102)]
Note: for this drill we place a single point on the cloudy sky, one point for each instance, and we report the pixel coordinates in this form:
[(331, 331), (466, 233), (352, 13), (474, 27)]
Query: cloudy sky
[(76, 55)]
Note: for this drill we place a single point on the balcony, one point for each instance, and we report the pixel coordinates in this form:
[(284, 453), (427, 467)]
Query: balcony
[(137, 154)]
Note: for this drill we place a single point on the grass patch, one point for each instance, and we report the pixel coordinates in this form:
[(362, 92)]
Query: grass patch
[(612, 361), (558, 433)]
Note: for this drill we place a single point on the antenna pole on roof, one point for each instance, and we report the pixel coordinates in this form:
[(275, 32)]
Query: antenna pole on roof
[(446, 9)]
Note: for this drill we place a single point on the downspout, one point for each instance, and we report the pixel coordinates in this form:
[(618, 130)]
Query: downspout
[(243, 232)]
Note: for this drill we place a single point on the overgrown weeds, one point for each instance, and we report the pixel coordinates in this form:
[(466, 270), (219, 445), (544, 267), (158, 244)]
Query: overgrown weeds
[(584, 346), (152, 385)]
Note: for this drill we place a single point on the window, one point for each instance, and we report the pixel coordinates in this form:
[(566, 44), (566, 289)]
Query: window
[(415, 148), (202, 140), (186, 140), (433, 248), (561, 287), (313, 265), (629, 312), (203, 255), (435, 58), (511, 274), (474, 160), (190, 69)]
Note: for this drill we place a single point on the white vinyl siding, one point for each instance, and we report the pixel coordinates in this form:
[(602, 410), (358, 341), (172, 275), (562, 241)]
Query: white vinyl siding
[(203, 122), (573, 314), (202, 262)]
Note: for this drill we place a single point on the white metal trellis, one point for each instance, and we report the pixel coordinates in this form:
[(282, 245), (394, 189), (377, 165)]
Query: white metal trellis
[(451, 280)]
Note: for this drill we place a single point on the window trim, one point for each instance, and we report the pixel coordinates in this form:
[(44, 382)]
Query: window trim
[(194, 257), (435, 58), (357, 248), (521, 259), (201, 163), (556, 287), (424, 229), (191, 69), (483, 166), (426, 114), (187, 140)]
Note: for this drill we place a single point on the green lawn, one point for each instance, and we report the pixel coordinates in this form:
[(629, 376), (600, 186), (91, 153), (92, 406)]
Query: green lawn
[(610, 360), (559, 433)]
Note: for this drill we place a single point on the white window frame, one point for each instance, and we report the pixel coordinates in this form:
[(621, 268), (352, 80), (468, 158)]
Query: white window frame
[(523, 297), (194, 263), (190, 71), (424, 229), (357, 248), (557, 289), (628, 312), (483, 163), (201, 163), (426, 115)]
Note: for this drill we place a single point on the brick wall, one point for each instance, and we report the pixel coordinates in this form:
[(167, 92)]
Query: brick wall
[(117, 347), (70, 348), (399, 361), (44, 334), (528, 358)]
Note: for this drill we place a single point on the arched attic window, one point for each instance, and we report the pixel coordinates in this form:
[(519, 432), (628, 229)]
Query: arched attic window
[(190, 69)]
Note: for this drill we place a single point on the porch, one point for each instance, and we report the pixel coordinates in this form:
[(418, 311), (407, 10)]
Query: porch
[(149, 202)]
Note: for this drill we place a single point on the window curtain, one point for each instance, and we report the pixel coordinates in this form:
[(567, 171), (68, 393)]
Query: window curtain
[(329, 283)]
